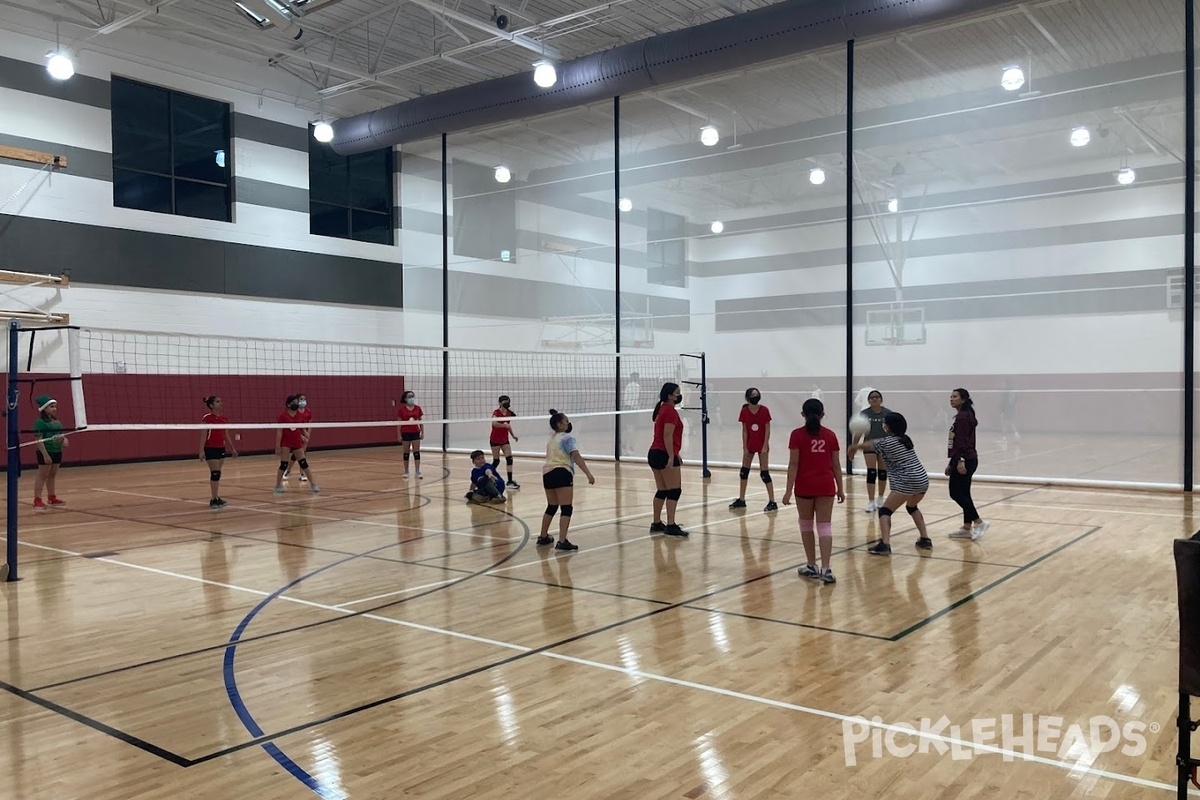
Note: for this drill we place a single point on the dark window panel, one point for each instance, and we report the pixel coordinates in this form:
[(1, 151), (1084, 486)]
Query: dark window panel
[(141, 127), (368, 226), (201, 130), (326, 220), (141, 191), (328, 177), (201, 200), (371, 181)]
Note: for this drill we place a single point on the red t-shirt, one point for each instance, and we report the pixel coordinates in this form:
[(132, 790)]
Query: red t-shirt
[(292, 437), (500, 435), (405, 414), (755, 423), (667, 415), (216, 436), (814, 477)]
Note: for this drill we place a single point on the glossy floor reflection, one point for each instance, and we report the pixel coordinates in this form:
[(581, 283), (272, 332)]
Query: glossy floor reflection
[(386, 639)]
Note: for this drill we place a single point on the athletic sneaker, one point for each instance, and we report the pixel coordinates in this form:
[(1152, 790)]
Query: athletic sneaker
[(962, 533), (499, 499), (315, 489), (286, 476), (419, 475), (216, 503), (303, 479), (674, 530), (279, 490), (405, 475), (979, 530), (565, 545), (925, 544), (514, 485), (809, 571), (827, 577), (544, 541), (470, 496), (880, 548), (739, 503), (657, 527), (55, 501), (37, 503), (871, 508), (771, 506)]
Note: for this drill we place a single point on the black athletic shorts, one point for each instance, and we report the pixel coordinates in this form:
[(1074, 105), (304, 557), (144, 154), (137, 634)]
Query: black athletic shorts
[(410, 437), (214, 453), (55, 458), (558, 478), (660, 459)]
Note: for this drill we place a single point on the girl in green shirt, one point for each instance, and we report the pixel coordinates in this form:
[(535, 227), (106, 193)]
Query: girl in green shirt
[(50, 444)]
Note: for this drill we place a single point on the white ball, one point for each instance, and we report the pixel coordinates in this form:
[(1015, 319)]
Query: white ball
[(859, 425)]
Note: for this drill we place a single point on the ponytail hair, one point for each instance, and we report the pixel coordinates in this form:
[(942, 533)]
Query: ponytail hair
[(555, 418), (967, 403), (665, 394), (898, 425), (813, 410), (208, 401)]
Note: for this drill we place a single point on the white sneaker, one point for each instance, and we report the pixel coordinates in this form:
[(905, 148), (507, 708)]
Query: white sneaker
[(315, 489), (962, 533), (979, 530), (404, 476), (871, 508), (303, 479), (286, 476)]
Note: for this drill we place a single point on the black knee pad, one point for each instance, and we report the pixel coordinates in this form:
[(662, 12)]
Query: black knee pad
[(885, 512), (551, 510), (508, 460), (745, 473), (661, 494), (283, 465), (417, 456), (765, 475), (568, 510), (495, 463), (303, 463), (912, 510), (214, 475), (872, 475), (406, 455), (883, 476), (674, 494)]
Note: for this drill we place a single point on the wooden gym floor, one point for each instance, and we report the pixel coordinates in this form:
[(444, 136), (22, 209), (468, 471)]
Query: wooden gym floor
[(393, 641)]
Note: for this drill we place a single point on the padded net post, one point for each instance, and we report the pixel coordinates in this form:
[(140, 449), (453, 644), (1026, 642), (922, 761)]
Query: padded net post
[(1187, 576), (76, 374)]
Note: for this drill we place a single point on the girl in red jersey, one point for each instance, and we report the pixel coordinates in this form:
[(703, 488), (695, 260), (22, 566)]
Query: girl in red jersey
[(290, 442), (411, 434), (756, 439), (213, 447), (305, 415), (816, 478), (498, 439), (664, 459)]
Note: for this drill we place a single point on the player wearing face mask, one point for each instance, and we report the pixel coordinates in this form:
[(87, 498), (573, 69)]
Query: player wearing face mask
[(411, 431), (290, 443), (502, 431), (305, 415), (756, 440), (664, 459)]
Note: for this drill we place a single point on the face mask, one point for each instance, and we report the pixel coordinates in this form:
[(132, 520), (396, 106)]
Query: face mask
[(678, 399), (303, 404), (294, 407), (411, 401), (504, 405), (754, 400)]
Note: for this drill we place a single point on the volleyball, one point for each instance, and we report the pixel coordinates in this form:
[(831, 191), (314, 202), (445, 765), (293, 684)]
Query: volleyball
[(859, 425)]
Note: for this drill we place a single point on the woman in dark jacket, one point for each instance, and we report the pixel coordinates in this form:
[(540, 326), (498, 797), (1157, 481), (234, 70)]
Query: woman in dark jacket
[(964, 460)]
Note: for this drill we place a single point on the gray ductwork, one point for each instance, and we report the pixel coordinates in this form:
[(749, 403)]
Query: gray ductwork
[(778, 31)]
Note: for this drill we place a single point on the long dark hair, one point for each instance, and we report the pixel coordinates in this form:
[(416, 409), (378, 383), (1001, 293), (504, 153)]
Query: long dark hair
[(750, 392), (967, 403), (208, 401), (665, 394), (813, 409), (555, 418), (898, 425)]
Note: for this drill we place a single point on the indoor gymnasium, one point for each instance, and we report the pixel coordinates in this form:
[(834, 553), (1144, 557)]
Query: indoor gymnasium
[(614, 399)]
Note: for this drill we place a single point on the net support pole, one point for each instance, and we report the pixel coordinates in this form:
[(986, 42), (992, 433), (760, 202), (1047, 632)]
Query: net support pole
[(14, 454), (617, 271), (849, 246), (445, 293), (1189, 245), (704, 416)]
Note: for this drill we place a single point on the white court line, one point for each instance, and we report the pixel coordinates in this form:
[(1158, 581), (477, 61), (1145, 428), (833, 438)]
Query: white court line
[(40, 528), (1093, 510), (1073, 768)]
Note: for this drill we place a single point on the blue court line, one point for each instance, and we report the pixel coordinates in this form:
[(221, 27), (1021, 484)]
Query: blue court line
[(230, 677)]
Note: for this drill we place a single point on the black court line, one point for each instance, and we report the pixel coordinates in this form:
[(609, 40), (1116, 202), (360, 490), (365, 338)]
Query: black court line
[(973, 595), (98, 726), (743, 615), (925, 555)]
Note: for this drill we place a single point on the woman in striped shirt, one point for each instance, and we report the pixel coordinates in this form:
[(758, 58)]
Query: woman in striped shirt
[(909, 481)]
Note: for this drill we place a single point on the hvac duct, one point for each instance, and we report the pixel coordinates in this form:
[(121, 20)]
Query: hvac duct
[(765, 34)]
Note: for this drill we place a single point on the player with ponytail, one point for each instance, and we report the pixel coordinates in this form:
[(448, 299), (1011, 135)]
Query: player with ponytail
[(214, 446), (815, 476), (909, 479), (664, 459)]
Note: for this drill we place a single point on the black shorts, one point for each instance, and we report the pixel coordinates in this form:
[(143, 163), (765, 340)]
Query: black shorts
[(410, 437), (214, 453), (498, 444), (558, 478), (55, 458), (660, 459)]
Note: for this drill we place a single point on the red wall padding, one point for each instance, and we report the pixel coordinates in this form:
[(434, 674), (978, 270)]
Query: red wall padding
[(128, 399)]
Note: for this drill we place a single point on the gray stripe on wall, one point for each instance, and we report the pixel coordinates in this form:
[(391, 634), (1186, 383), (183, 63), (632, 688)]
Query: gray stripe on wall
[(266, 131), (80, 162), (271, 195), (33, 78), (118, 257)]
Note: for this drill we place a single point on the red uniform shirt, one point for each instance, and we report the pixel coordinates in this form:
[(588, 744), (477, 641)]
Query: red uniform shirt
[(500, 435), (755, 423), (405, 414), (814, 477), (216, 436), (292, 437), (667, 415)]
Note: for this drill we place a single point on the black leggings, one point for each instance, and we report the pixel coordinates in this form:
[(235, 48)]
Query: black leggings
[(960, 489)]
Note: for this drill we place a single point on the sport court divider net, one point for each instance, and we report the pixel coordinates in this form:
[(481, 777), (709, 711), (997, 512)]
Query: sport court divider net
[(153, 382)]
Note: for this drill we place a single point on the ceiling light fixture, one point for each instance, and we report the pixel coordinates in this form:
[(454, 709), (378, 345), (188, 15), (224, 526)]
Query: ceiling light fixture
[(544, 74), (717, 226), (59, 65), (894, 205), (1080, 136), (1012, 79), (816, 176), (323, 132), (1126, 176), (709, 136), (625, 204), (503, 174)]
